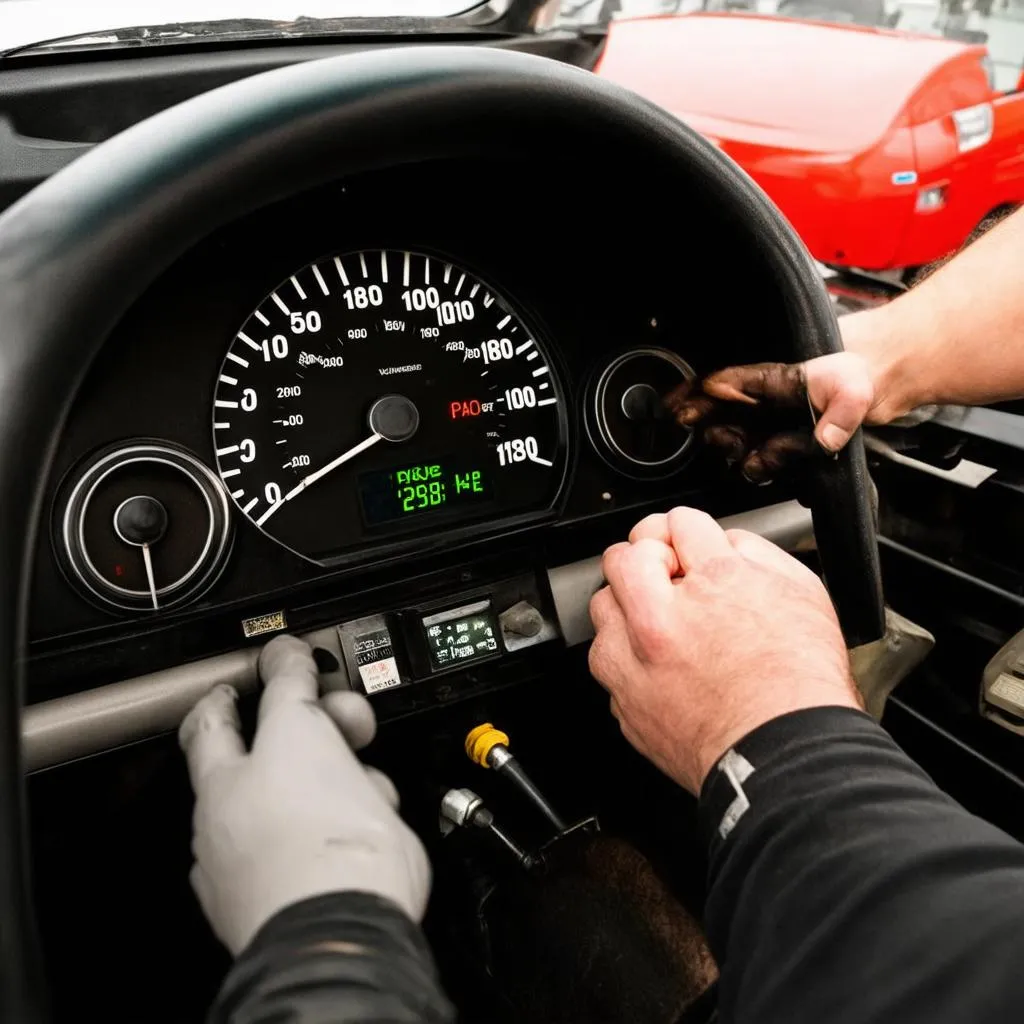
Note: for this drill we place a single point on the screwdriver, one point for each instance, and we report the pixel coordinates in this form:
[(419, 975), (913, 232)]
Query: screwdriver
[(487, 746), (462, 808)]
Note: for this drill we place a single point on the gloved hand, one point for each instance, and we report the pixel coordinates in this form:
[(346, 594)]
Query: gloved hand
[(298, 815), (759, 416)]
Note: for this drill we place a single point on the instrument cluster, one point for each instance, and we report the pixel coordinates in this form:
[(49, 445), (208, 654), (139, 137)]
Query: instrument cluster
[(372, 396), (356, 384)]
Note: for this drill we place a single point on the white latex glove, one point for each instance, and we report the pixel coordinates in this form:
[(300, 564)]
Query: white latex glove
[(298, 815)]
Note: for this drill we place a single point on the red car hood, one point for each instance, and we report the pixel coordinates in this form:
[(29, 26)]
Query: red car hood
[(772, 81)]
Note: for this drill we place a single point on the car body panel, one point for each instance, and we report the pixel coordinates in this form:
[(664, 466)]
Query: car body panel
[(841, 125)]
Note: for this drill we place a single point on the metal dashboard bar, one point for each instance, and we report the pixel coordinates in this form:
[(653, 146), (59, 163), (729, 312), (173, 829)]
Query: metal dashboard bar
[(82, 724)]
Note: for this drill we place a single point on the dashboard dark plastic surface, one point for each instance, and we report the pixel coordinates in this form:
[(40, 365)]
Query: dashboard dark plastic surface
[(594, 288), (55, 108)]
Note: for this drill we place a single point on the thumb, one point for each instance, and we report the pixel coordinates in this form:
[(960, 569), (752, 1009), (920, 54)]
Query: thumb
[(840, 388)]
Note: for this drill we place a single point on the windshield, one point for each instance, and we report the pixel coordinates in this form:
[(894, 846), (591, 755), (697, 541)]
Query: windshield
[(888, 132), (998, 24)]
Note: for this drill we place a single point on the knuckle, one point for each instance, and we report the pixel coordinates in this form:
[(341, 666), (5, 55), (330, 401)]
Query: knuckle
[(685, 517), (743, 538), (860, 391), (612, 557), (758, 468), (845, 378), (201, 720), (652, 524), (644, 547), (719, 576), (653, 641), (596, 659), (794, 377), (598, 604)]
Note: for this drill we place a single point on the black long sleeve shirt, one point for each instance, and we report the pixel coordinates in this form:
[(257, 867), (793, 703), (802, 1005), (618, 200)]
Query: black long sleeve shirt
[(849, 888), (844, 887), (341, 958)]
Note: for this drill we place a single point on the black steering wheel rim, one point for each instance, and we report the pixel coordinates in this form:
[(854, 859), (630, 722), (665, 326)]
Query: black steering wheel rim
[(78, 250)]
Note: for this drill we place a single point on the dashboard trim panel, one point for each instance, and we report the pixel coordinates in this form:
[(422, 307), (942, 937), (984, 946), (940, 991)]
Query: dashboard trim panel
[(93, 721)]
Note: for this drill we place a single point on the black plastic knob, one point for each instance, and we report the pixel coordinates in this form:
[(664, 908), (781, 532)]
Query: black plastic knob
[(642, 402), (394, 417), (140, 520)]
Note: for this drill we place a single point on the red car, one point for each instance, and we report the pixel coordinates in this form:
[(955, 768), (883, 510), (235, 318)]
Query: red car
[(885, 150)]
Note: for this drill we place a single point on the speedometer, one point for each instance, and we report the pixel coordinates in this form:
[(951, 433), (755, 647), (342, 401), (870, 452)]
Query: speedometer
[(384, 392)]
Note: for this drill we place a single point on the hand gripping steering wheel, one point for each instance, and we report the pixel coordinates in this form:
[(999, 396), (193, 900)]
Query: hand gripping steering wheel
[(78, 250)]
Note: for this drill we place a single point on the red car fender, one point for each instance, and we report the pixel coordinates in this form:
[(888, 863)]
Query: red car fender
[(967, 178), (871, 225), (849, 209), (978, 183), (846, 156)]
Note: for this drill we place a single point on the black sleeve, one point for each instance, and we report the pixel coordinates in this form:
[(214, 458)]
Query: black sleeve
[(341, 958), (846, 887)]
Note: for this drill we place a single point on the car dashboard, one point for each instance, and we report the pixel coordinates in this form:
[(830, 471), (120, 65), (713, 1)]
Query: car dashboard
[(383, 402), (401, 415)]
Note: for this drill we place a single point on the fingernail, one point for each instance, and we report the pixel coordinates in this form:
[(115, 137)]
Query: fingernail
[(833, 438), (753, 471), (757, 480)]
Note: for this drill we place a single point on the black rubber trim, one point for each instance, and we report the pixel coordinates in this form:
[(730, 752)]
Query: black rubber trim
[(77, 251)]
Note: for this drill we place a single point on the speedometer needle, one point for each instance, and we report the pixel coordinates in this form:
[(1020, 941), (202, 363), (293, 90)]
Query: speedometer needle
[(391, 418), (333, 464), (368, 442)]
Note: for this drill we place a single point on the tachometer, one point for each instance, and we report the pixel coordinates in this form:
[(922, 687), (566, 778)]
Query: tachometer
[(385, 392)]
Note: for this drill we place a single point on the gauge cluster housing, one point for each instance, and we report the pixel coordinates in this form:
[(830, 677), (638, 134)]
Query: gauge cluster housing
[(384, 394), (597, 280)]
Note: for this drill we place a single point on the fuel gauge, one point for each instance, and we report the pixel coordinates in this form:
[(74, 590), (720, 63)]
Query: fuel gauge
[(143, 526)]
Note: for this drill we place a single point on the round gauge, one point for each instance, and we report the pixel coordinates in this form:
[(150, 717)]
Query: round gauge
[(626, 416), (143, 526), (380, 393)]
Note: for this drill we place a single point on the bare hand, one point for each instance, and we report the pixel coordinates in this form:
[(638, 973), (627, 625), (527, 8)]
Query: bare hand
[(703, 635), (838, 386)]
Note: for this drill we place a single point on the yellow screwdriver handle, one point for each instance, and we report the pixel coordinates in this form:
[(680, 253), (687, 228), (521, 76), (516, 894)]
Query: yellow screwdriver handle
[(482, 740)]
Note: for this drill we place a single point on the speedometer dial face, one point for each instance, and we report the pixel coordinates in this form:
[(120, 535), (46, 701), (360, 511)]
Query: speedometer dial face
[(381, 393)]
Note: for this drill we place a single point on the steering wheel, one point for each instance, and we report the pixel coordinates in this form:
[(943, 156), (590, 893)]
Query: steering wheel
[(77, 251)]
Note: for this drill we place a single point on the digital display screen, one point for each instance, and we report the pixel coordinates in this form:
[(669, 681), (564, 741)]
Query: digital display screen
[(404, 491), (461, 635)]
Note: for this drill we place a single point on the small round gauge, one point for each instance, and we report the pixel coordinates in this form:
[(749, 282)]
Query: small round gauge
[(143, 526), (382, 393), (626, 416)]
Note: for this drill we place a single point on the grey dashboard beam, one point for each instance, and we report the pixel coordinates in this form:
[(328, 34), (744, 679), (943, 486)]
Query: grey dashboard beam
[(67, 728), (86, 723), (787, 524)]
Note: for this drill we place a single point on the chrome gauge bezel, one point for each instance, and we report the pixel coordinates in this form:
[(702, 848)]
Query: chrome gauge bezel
[(601, 435), (69, 537)]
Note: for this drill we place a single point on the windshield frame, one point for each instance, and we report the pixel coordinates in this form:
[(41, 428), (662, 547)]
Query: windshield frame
[(489, 17)]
